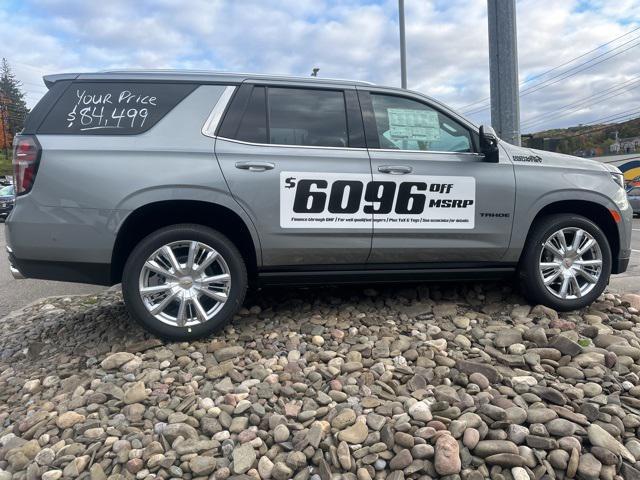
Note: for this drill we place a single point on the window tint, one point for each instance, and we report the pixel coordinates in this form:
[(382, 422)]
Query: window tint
[(307, 117), (253, 125), (107, 108), (405, 124), (634, 192)]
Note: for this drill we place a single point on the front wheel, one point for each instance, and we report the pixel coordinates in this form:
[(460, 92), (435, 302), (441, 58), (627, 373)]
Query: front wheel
[(566, 262), (184, 282)]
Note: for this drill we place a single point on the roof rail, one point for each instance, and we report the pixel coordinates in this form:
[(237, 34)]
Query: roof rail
[(222, 72)]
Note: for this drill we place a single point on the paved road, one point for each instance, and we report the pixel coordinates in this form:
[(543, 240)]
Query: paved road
[(629, 281), (15, 294)]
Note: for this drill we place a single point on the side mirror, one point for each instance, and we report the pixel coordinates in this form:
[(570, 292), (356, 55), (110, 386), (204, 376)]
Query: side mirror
[(489, 144)]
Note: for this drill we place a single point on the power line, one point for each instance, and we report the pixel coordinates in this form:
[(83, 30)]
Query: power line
[(558, 66), (548, 82), (593, 95), (584, 55), (566, 74), (594, 99), (612, 117), (541, 86)]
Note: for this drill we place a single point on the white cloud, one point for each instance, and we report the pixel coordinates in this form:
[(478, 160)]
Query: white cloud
[(447, 43)]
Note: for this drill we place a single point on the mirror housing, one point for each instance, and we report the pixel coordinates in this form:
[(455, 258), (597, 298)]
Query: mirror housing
[(489, 144)]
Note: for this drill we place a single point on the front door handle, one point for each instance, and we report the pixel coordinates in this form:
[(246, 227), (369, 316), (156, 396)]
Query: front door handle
[(255, 166), (395, 169)]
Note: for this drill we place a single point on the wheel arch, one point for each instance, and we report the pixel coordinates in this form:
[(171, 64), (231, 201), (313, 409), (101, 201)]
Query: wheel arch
[(152, 216), (594, 211)]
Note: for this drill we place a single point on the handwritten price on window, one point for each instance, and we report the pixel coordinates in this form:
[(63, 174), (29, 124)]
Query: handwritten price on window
[(95, 111)]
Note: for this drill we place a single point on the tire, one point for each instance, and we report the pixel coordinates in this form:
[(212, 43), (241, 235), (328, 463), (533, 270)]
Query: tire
[(531, 276), (187, 284)]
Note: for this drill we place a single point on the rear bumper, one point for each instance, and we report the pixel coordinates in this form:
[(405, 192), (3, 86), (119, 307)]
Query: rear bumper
[(15, 273), (93, 273)]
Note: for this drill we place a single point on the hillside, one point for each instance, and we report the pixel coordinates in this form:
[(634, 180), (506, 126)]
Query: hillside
[(583, 140)]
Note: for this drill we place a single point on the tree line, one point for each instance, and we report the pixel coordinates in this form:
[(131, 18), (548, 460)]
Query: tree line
[(13, 107)]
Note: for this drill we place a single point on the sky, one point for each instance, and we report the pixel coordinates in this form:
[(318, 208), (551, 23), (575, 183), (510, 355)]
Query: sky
[(447, 46)]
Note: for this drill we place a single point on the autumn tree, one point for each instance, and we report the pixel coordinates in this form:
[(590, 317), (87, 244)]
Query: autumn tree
[(13, 108)]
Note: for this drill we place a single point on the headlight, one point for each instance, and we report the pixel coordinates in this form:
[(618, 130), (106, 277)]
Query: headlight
[(618, 178)]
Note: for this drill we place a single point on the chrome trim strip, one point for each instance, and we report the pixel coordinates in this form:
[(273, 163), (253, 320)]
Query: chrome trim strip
[(209, 127), (345, 148), (288, 146), (425, 151)]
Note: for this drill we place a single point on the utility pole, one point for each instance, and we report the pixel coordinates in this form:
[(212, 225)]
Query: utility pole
[(503, 68), (403, 46)]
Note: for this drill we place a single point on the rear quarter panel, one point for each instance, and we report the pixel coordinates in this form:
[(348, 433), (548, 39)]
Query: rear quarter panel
[(88, 184)]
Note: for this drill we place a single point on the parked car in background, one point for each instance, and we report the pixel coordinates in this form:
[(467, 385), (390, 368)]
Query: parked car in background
[(6, 180), (7, 200), (633, 195), (633, 183), (184, 186)]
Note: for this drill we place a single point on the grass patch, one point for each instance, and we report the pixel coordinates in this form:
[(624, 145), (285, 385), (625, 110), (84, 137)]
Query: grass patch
[(5, 164)]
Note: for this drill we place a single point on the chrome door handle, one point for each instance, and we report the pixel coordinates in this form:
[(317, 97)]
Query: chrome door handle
[(395, 169), (255, 166)]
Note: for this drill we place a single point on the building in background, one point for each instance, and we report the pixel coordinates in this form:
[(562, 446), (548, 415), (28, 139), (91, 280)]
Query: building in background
[(625, 145)]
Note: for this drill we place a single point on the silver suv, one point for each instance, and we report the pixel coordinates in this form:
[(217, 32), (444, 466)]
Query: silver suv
[(187, 186)]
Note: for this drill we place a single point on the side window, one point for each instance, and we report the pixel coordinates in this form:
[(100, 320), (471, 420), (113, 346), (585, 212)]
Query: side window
[(405, 124), (307, 117), (113, 108), (634, 192)]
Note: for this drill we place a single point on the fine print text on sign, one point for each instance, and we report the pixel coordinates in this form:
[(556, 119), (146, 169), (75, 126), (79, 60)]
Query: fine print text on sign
[(337, 200), (411, 124)]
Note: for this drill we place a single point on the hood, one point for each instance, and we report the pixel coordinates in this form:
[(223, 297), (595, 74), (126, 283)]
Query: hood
[(531, 156)]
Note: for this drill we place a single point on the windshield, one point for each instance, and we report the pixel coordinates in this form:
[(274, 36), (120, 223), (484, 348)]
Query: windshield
[(6, 191)]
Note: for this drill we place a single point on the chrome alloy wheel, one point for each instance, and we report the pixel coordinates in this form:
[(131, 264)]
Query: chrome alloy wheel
[(184, 283), (570, 263)]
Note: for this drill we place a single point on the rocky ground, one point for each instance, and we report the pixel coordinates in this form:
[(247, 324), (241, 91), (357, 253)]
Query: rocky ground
[(393, 382)]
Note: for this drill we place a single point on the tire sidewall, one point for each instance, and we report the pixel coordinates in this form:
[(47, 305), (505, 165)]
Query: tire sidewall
[(533, 283), (212, 238)]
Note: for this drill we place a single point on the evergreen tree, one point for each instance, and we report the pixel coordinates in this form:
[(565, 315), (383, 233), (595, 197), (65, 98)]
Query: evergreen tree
[(13, 108)]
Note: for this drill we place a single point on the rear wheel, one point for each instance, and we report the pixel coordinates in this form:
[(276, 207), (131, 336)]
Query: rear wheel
[(566, 262), (184, 282)]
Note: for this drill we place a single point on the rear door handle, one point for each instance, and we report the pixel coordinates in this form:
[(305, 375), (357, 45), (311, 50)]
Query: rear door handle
[(255, 166), (395, 169)]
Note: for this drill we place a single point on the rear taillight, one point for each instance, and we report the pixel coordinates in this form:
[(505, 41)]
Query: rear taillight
[(26, 157)]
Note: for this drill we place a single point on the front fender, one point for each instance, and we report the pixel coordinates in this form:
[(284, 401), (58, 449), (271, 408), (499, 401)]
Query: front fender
[(539, 191)]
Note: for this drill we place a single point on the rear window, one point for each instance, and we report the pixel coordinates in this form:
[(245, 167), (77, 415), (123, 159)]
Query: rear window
[(109, 108)]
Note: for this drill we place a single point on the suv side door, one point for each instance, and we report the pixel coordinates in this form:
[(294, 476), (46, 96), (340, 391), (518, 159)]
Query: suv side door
[(295, 159), (439, 201)]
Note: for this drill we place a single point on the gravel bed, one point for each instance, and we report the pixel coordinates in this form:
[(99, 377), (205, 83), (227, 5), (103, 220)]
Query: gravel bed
[(414, 382)]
